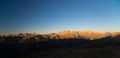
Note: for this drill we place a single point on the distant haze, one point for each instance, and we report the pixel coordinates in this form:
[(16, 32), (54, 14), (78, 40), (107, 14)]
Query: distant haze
[(46, 16)]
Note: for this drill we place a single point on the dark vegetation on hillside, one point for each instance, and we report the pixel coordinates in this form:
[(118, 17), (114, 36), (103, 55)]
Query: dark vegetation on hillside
[(65, 44)]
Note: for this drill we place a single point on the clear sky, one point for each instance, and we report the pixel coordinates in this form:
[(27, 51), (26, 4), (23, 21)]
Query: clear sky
[(44, 16)]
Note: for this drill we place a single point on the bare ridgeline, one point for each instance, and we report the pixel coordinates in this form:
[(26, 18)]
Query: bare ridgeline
[(65, 44)]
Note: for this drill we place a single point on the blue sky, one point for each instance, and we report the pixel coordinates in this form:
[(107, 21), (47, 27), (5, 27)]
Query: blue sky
[(44, 16)]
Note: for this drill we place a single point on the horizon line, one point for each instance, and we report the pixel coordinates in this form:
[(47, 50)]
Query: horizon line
[(58, 32)]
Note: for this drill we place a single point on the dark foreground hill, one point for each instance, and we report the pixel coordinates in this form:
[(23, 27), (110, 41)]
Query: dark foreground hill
[(63, 45), (77, 52), (78, 48)]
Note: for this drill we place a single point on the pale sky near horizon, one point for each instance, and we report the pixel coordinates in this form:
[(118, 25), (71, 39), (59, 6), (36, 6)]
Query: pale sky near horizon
[(44, 16)]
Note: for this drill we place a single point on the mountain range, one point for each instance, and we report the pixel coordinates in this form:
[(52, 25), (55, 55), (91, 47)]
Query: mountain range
[(13, 45)]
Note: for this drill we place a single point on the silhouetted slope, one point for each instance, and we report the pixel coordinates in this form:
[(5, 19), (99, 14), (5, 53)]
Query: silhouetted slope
[(109, 51)]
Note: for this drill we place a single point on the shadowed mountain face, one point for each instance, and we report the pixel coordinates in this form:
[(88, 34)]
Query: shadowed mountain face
[(34, 45)]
